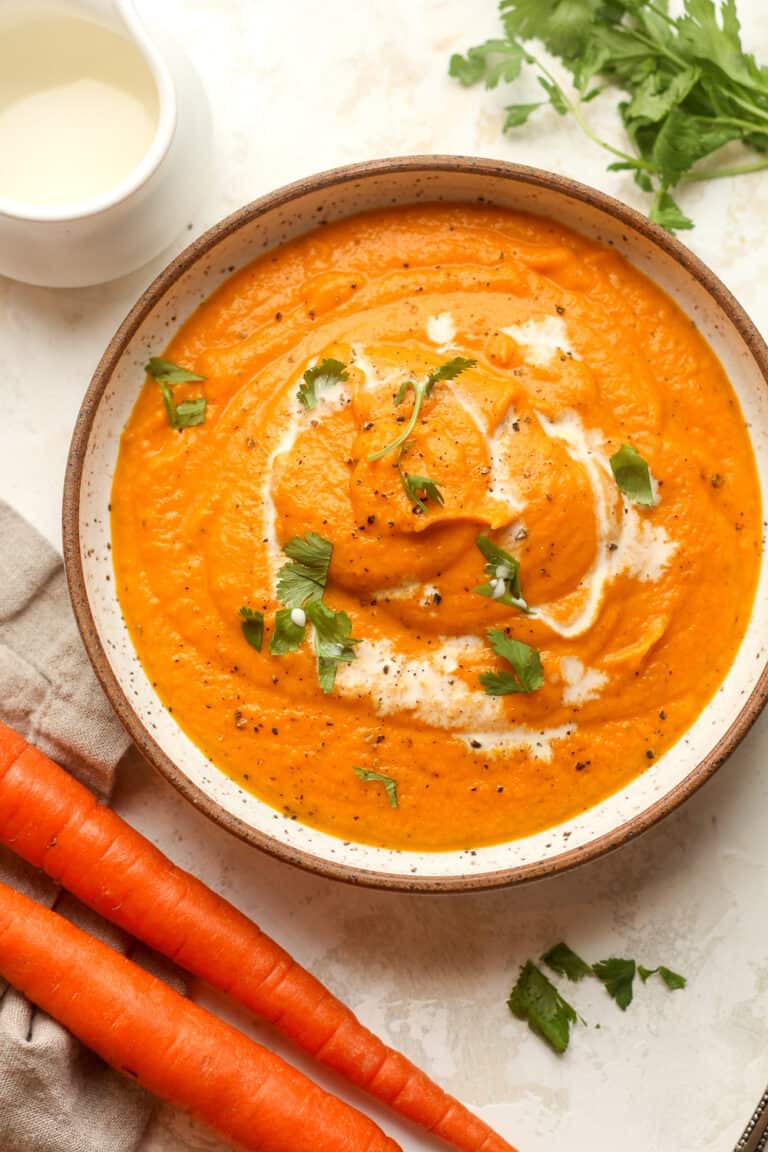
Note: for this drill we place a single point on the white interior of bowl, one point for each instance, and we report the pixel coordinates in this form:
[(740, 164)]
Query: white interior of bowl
[(210, 269)]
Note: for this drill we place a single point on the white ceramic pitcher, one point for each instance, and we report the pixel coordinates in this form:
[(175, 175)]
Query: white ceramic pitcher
[(108, 235)]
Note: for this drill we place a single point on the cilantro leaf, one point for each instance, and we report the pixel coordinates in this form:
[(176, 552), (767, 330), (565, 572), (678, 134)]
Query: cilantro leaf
[(493, 61), (563, 25), (334, 643), (306, 576), (683, 139), (632, 475), (566, 962), (419, 489), (252, 625), (503, 572), (517, 114), (448, 371), (169, 372), (390, 784), (288, 636), (667, 213), (535, 999), (656, 95), (703, 37), (527, 672), (617, 975), (673, 980), (315, 380), (188, 413)]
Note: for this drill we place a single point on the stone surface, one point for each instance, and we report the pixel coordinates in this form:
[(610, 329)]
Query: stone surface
[(301, 87)]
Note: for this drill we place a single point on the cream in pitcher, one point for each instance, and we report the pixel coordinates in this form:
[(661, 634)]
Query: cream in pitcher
[(78, 109), (104, 141)]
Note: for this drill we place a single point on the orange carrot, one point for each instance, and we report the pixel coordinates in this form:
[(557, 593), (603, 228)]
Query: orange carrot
[(57, 825), (175, 1049)]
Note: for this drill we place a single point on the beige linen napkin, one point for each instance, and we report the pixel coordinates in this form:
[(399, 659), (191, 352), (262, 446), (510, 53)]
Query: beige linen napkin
[(54, 1095)]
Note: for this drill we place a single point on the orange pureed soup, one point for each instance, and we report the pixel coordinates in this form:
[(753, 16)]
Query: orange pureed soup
[(577, 455)]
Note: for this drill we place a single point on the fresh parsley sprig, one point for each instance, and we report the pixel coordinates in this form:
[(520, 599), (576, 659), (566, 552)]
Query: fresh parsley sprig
[(187, 413), (390, 784), (527, 673), (315, 381), (503, 572), (421, 392), (690, 86)]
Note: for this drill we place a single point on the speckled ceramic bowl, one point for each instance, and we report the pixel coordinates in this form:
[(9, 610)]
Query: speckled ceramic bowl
[(108, 402)]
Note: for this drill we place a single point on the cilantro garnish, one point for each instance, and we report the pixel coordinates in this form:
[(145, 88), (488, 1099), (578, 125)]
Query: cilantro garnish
[(252, 625), (186, 414), (300, 586), (673, 980), (419, 489), (690, 87), (535, 999), (334, 643), (305, 577), (503, 572), (390, 785), (632, 475), (315, 380), (566, 962), (421, 391), (288, 636), (618, 976), (527, 672)]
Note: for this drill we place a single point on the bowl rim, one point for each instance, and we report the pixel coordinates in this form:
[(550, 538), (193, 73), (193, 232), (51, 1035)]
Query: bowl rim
[(148, 746)]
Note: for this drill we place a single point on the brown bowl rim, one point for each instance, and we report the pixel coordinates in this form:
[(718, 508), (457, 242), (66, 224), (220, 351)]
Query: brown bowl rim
[(141, 736)]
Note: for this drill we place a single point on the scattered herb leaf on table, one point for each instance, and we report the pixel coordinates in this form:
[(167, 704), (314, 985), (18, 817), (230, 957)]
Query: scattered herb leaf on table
[(566, 962), (536, 1000)]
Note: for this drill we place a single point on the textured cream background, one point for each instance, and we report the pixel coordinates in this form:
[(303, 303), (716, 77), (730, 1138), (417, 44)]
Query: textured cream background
[(303, 86)]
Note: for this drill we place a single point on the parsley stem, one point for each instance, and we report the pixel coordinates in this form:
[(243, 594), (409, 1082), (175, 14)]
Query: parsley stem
[(737, 123), (732, 170), (419, 391), (660, 12), (575, 110), (748, 105)]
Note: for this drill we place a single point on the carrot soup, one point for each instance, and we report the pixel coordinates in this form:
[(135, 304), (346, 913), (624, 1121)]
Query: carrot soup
[(436, 526)]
